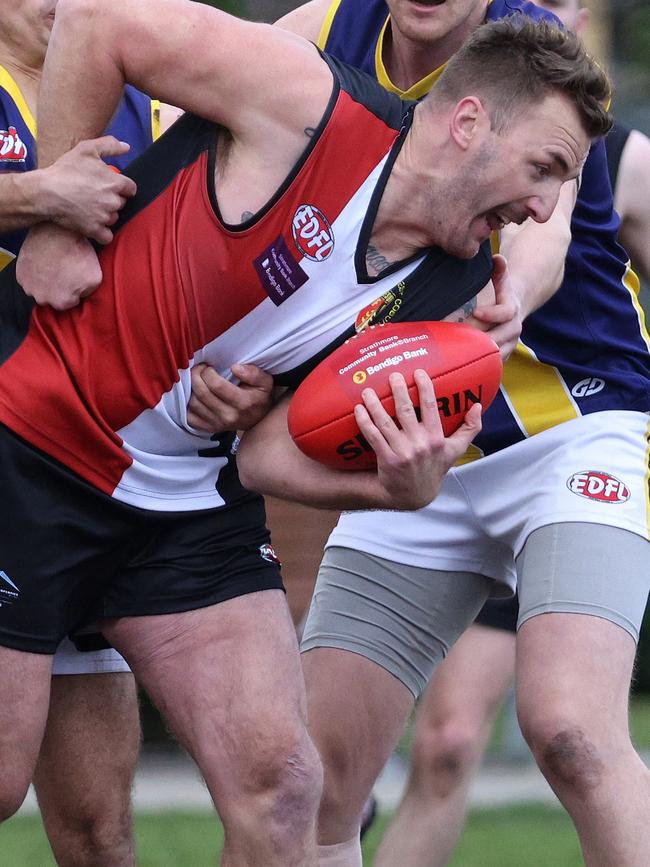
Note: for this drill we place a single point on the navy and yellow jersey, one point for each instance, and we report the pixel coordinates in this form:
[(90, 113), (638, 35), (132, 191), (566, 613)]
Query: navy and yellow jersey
[(585, 350), (137, 121)]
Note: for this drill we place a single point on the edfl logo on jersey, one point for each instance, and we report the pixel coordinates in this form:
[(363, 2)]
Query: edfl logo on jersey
[(312, 233), (598, 485)]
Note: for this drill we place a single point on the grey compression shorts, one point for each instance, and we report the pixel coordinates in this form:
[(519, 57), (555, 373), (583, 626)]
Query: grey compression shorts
[(405, 618)]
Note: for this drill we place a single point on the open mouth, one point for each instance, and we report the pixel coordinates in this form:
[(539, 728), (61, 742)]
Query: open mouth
[(496, 220)]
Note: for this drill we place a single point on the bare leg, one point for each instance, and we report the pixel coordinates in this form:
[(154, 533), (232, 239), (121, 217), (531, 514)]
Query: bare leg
[(85, 769), (357, 711), (24, 697), (228, 680), (453, 724), (573, 678)]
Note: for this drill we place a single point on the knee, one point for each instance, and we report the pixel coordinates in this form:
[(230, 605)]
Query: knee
[(91, 834), (445, 755), (568, 754), (299, 787), (281, 789)]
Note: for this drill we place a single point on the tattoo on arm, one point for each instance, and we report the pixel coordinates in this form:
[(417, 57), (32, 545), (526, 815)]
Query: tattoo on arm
[(376, 261), (465, 311)]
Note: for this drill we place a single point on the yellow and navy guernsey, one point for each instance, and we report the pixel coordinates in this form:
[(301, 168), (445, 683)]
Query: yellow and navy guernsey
[(587, 349), (137, 121)]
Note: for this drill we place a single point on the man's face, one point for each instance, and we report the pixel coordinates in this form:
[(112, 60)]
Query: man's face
[(25, 27), (569, 12), (433, 21), (518, 174)]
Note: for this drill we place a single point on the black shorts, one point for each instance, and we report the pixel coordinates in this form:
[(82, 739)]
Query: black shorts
[(70, 554), (500, 614)]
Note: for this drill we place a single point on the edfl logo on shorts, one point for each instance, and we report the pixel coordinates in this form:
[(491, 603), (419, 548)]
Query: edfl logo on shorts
[(598, 485)]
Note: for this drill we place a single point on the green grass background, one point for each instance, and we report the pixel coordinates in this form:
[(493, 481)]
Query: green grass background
[(520, 836)]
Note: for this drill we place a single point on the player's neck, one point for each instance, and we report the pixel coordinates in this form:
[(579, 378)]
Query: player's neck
[(26, 73), (408, 61), (404, 224)]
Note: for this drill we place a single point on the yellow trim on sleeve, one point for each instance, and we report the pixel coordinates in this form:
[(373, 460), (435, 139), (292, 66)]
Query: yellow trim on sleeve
[(631, 283), (155, 119), (326, 26), (8, 83)]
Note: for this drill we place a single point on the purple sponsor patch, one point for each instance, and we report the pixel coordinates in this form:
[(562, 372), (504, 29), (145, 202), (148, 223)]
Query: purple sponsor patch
[(279, 271)]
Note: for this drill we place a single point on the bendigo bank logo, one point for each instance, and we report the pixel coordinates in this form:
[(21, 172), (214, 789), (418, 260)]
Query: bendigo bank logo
[(597, 485), (312, 233), (12, 148), (454, 404)]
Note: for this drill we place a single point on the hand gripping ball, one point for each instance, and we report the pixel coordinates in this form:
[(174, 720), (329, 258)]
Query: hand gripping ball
[(463, 363)]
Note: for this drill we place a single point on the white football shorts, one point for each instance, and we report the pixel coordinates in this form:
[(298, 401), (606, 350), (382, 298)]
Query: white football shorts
[(69, 660), (593, 469)]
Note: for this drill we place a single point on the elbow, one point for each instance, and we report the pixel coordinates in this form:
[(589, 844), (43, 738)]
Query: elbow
[(246, 468)]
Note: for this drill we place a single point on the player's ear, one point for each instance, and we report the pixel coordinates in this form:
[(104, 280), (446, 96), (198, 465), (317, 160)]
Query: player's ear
[(582, 22), (467, 121)]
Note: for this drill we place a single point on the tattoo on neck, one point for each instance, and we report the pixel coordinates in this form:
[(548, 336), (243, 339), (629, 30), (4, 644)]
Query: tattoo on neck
[(309, 131), (246, 215), (376, 261)]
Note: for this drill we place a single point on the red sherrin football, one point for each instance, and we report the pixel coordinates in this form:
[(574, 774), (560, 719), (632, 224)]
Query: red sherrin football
[(463, 362)]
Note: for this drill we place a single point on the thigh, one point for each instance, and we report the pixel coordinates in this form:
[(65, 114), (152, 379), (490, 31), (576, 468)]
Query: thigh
[(227, 678), (585, 568), (402, 618), (573, 673), (582, 595)]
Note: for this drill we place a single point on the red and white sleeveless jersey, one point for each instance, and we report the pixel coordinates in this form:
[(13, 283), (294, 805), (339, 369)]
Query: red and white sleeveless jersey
[(103, 388)]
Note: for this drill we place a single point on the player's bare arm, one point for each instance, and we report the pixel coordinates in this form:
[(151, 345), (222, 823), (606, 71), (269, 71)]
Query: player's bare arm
[(78, 191), (632, 201), (536, 253), (307, 20), (412, 455), (208, 63)]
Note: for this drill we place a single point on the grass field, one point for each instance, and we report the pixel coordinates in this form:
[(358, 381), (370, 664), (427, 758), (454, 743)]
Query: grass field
[(521, 836), (518, 837)]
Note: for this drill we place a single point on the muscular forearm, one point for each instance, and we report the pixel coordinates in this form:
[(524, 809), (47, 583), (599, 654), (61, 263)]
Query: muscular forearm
[(24, 200), (271, 464)]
